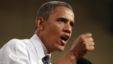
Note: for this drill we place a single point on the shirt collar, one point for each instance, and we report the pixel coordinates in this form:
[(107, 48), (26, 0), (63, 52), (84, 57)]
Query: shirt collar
[(39, 46)]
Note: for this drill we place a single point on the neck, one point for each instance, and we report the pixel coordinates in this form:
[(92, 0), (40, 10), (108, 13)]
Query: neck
[(47, 47)]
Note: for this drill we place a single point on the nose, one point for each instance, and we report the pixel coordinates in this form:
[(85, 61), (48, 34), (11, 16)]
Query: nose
[(67, 29)]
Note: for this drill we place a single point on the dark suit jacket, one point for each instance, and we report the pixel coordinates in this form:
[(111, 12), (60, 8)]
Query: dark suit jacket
[(83, 61)]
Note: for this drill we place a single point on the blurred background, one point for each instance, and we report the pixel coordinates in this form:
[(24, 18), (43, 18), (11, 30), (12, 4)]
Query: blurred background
[(17, 21)]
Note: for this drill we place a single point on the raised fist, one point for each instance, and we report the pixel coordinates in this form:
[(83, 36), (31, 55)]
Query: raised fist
[(82, 44)]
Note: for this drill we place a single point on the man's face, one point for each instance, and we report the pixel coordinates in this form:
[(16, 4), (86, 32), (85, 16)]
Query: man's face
[(57, 29)]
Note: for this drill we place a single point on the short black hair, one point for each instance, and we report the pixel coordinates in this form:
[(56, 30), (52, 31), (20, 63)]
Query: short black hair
[(45, 10)]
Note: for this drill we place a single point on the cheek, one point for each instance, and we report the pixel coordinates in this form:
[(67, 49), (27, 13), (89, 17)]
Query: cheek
[(53, 32), (52, 35), (54, 29)]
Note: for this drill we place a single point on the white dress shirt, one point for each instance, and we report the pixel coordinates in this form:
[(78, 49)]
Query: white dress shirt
[(23, 51)]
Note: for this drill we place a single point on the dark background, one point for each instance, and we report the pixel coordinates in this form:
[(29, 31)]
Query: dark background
[(17, 21)]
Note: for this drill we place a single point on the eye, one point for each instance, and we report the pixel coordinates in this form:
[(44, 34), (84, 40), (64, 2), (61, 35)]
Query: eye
[(62, 20), (72, 23)]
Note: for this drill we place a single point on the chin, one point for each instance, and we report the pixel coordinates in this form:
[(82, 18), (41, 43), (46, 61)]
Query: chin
[(61, 48)]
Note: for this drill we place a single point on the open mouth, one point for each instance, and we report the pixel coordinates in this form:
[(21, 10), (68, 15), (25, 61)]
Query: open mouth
[(64, 39)]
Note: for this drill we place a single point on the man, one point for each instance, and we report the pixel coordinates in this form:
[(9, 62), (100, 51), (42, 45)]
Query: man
[(54, 23)]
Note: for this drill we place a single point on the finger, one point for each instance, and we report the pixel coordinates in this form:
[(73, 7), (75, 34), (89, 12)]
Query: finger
[(90, 43), (87, 37), (89, 46), (90, 39)]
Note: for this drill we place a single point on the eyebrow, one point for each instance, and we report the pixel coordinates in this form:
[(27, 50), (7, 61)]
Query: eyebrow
[(64, 18)]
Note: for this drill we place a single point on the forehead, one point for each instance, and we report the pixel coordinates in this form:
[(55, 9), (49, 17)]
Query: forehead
[(63, 12)]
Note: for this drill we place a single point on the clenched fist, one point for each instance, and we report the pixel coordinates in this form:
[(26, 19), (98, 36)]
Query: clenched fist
[(82, 44)]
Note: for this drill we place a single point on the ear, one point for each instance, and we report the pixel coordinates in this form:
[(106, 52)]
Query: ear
[(39, 23)]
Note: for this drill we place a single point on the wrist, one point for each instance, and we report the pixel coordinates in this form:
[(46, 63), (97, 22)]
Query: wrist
[(74, 54), (70, 55)]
